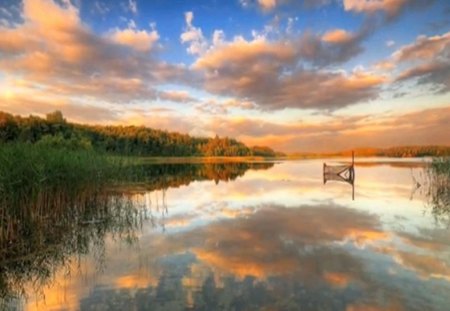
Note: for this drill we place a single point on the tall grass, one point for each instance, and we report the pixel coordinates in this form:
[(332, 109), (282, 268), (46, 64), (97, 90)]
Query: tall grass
[(441, 166), (439, 191), (52, 204), (28, 173), (38, 180)]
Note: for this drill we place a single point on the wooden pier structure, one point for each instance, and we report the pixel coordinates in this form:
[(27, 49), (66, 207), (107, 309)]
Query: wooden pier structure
[(342, 173)]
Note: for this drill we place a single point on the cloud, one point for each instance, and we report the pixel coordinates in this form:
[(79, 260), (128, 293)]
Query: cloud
[(101, 8), (428, 60), (424, 127), (266, 73), (329, 50), (423, 48), (391, 8), (193, 36), (272, 73), (267, 5), (390, 43), (271, 5), (73, 110), (337, 36), (176, 96), (53, 50), (132, 6), (140, 40), (214, 106)]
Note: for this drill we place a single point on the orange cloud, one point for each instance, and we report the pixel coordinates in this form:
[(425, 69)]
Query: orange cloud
[(267, 4), (429, 62), (241, 50), (56, 52), (176, 96), (423, 127), (424, 48), (337, 36), (391, 7), (140, 40)]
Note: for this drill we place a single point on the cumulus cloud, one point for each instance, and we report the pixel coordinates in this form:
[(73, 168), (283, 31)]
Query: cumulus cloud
[(222, 107), (268, 74), (271, 5), (337, 36), (272, 72), (336, 46), (140, 40), (54, 50), (391, 8), (369, 6), (267, 4), (427, 60), (176, 96), (193, 36), (423, 48)]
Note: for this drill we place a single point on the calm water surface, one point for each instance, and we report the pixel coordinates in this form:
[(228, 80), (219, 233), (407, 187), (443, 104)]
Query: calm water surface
[(262, 237)]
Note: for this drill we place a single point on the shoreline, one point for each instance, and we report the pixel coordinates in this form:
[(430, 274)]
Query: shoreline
[(362, 161)]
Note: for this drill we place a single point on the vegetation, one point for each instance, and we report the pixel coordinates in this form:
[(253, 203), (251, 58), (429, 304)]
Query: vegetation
[(34, 244), (439, 190), (71, 216), (394, 152), (31, 174), (120, 140)]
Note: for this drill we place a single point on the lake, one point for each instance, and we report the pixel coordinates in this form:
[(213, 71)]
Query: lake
[(259, 236)]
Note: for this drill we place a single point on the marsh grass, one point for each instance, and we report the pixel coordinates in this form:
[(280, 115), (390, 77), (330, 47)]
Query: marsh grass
[(439, 190), (40, 181), (57, 201), (54, 203), (29, 173)]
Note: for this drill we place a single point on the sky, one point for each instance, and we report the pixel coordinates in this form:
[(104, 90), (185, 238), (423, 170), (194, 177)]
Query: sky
[(295, 75)]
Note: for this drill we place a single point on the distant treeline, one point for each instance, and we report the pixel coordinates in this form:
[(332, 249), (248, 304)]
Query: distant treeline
[(121, 140), (395, 152)]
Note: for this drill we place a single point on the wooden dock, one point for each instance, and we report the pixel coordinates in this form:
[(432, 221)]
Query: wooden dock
[(343, 173)]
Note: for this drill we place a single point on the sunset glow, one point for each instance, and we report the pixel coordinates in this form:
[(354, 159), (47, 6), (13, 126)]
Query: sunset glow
[(293, 75)]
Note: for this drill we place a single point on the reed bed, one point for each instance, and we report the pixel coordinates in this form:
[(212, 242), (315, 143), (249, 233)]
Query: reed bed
[(439, 190)]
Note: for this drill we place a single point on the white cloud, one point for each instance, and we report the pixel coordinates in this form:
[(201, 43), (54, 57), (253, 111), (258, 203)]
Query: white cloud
[(390, 43), (132, 6), (193, 36)]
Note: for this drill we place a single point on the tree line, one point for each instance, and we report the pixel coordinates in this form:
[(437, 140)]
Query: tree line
[(55, 130)]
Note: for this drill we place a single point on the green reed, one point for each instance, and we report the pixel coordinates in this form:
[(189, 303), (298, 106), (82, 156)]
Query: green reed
[(29, 172), (439, 190), (441, 166)]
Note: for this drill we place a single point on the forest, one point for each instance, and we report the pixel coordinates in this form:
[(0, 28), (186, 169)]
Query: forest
[(55, 130)]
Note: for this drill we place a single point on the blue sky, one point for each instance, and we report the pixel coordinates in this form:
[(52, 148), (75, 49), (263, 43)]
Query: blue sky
[(295, 75)]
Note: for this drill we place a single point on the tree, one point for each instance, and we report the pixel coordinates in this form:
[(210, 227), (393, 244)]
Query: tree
[(55, 117)]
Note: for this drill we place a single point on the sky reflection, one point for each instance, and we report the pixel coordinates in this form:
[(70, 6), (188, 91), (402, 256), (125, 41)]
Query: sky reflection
[(276, 239)]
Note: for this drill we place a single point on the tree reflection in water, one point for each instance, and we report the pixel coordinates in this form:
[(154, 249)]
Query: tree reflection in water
[(43, 234)]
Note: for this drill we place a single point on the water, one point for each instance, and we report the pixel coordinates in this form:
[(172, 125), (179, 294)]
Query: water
[(267, 236)]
